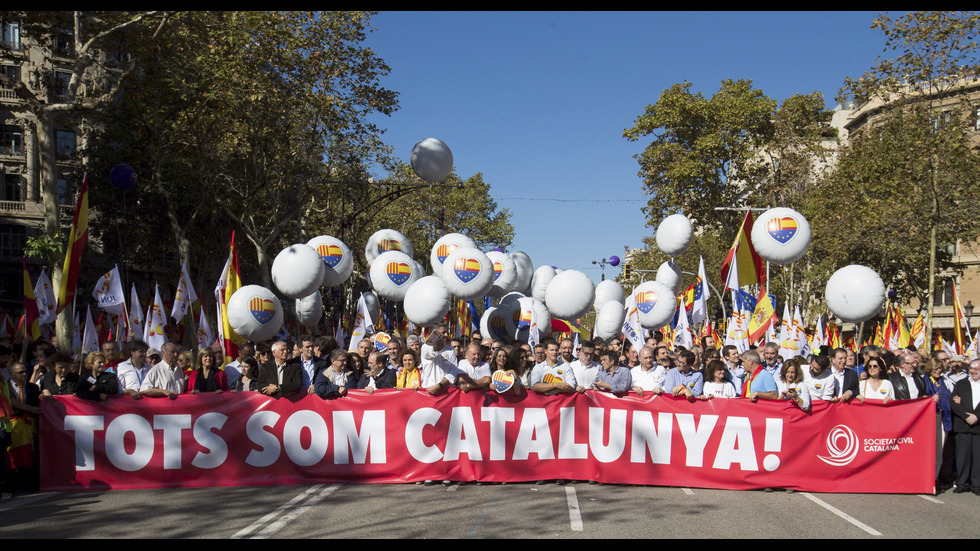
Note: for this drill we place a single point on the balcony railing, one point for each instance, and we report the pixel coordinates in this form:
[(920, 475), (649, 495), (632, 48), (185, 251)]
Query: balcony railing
[(12, 150), (8, 94)]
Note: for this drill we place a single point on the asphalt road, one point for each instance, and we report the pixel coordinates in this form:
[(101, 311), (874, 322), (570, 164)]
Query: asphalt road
[(578, 510)]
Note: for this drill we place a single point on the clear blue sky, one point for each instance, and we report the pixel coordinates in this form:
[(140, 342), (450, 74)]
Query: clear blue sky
[(538, 101)]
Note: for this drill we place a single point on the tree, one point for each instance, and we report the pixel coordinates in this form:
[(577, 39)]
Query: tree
[(95, 80), (936, 57)]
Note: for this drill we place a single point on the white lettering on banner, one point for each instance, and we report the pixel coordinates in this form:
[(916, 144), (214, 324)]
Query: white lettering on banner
[(171, 426), (347, 439), (568, 448), (115, 445), (292, 433), (695, 438), (413, 435), (498, 419), (886, 444), (736, 446), (534, 436), (268, 453), (617, 434), (460, 423), (216, 446), (646, 437), (84, 427)]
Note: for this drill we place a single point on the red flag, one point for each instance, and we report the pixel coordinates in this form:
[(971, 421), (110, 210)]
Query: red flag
[(750, 265), (77, 240)]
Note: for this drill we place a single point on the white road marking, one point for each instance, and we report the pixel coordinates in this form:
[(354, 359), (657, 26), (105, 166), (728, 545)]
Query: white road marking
[(688, 491), (930, 498), (574, 514), (311, 497), (842, 514)]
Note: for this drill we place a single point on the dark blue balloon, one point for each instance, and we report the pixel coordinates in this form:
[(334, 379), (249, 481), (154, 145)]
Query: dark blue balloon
[(123, 177), (614, 261)]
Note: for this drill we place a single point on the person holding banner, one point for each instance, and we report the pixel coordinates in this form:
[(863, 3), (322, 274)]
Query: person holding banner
[(409, 375), (845, 380), (248, 380), (758, 382), (334, 381), (552, 376), (683, 380), (818, 379), (208, 377), (132, 372), (99, 382), (791, 386), (163, 378), (276, 377), (876, 386), (612, 377), (378, 375), (59, 380), (716, 383), (647, 376)]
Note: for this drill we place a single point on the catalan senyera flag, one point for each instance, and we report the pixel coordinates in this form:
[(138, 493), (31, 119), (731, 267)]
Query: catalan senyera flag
[(229, 282), (185, 296), (77, 240), (918, 333), (763, 316), (32, 328), (751, 268)]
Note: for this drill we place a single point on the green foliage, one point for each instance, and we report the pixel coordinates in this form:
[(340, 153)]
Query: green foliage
[(44, 246)]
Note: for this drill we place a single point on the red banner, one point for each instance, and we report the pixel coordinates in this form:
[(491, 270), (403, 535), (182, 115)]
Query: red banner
[(405, 436)]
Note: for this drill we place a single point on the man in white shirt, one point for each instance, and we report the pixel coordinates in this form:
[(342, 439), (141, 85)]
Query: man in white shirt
[(164, 378), (819, 379), (132, 372), (438, 373), (553, 376), (473, 366), (770, 360), (566, 349), (648, 376), (586, 368)]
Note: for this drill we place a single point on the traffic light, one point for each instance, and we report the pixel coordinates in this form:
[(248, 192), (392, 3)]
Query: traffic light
[(627, 271)]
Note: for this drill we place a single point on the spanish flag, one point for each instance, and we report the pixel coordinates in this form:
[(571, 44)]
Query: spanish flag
[(31, 327), (77, 240), (958, 315), (763, 316), (750, 265), (229, 282)]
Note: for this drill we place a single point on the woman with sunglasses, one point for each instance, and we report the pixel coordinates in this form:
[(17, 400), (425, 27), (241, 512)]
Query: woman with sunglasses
[(876, 386)]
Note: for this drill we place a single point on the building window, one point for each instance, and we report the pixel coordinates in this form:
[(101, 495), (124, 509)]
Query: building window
[(63, 198), (13, 238), (11, 73), (944, 295), (65, 143), (11, 139), (13, 187), (64, 43), (10, 34), (61, 82)]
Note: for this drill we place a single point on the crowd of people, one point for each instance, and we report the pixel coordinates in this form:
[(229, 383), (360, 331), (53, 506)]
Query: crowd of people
[(320, 366)]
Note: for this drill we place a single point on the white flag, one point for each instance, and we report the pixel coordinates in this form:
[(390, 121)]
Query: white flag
[(90, 339), (800, 333), (699, 312), (46, 302), (340, 335), (363, 325), (205, 335), (737, 334), (818, 336), (185, 294), (136, 319), (155, 320), (682, 331), (108, 292), (732, 283), (631, 325)]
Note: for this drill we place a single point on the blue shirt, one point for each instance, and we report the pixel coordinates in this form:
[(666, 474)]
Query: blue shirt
[(763, 382), (619, 381), (693, 380)]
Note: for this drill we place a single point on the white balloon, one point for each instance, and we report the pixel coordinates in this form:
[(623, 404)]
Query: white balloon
[(468, 273), (392, 273), (512, 296), (525, 269), (445, 245), (781, 235), (373, 305), (674, 234), (493, 324), (522, 314), (540, 280), (418, 269), (606, 290), (338, 260), (855, 293), (609, 319), (432, 160), (504, 273), (255, 313), (570, 295), (655, 304), (309, 309), (386, 240), (427, 301), (298, 270), (669, 273)]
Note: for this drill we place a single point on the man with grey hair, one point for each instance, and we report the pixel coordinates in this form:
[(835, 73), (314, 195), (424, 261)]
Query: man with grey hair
[(164, 378), (908, 384), (277, 378), (648, 376), (965, 405), (759, 383), (770, 357)]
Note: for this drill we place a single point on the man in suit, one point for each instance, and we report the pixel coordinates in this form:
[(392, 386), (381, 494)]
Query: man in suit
[(278, 378), (907, 383), (310, 364), (966, 429), (845, 380)]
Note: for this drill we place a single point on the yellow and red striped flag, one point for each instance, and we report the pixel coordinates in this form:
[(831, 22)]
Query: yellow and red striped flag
[(229, 282), (750, 266), (77, 240)]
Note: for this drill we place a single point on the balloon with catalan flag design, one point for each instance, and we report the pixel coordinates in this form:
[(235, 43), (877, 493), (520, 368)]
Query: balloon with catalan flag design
[(337, 259), (255, 313), (392, 275), (468, 273), (781, 235), (386, 240)]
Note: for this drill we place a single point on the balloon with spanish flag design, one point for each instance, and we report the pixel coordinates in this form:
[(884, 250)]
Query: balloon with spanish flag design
[(386, 240), (781, 235), (392, 273), (655, 304), (445, 245), (468, 273), (338, 260)]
